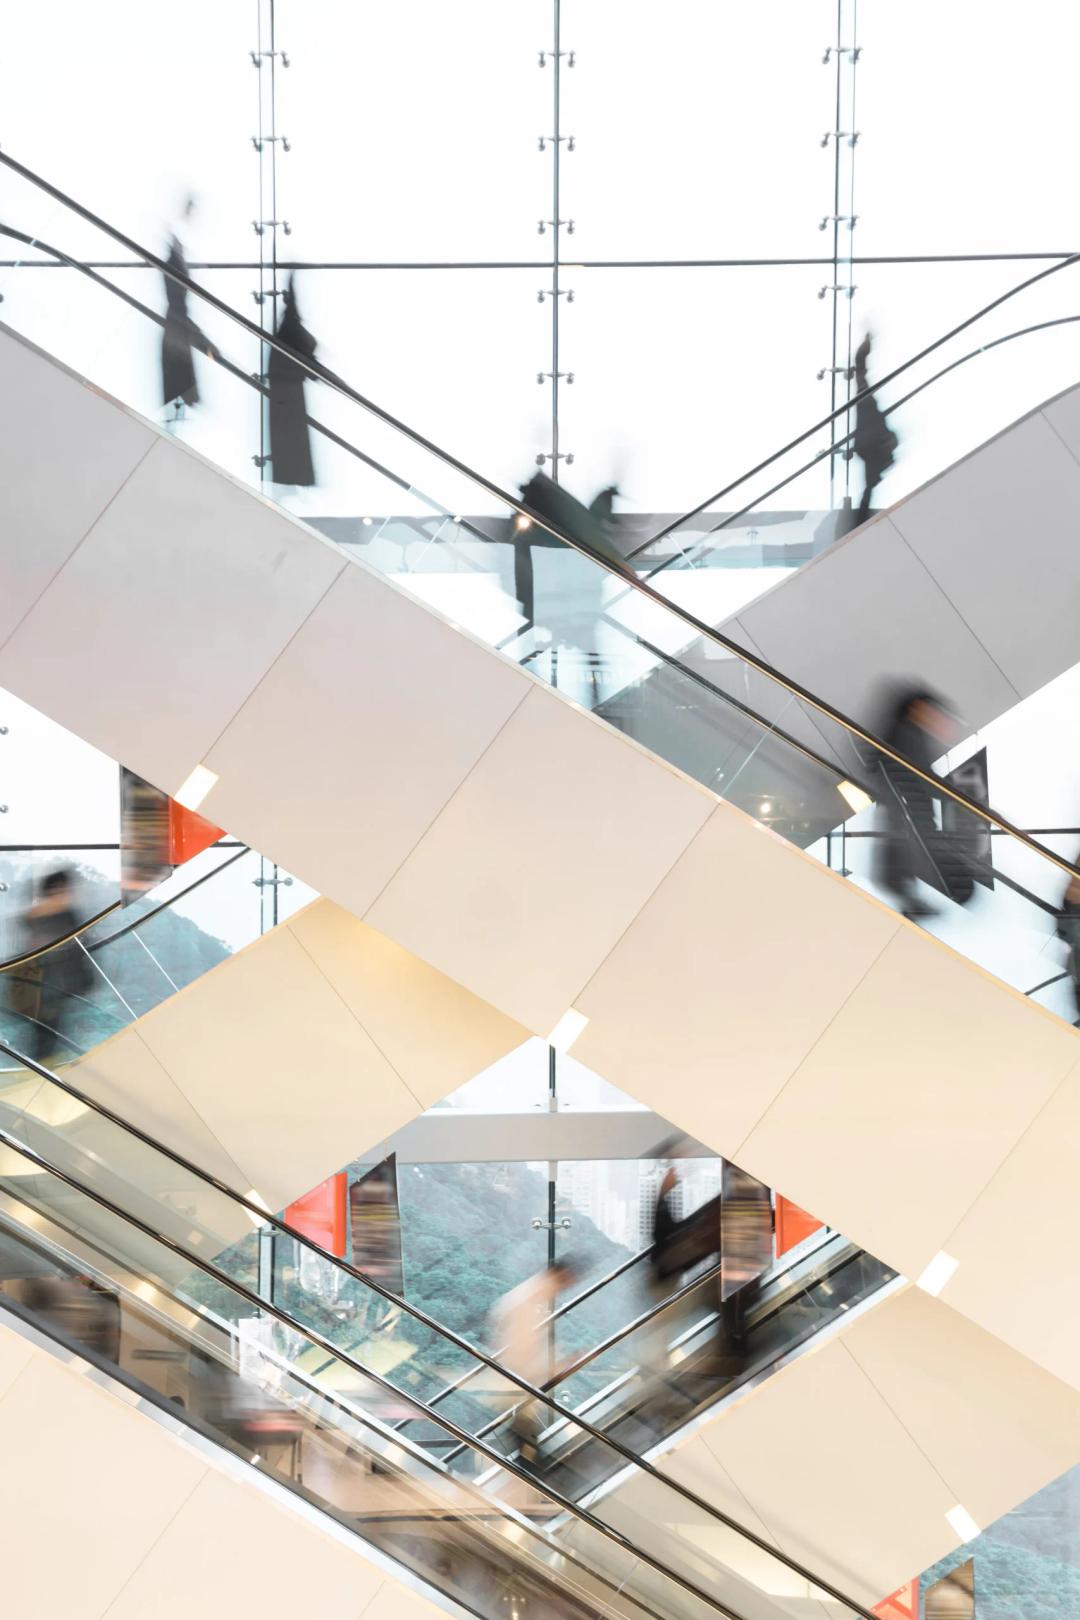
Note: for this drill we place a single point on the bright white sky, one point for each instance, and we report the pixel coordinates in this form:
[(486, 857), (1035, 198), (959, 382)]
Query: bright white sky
[(414, 130)]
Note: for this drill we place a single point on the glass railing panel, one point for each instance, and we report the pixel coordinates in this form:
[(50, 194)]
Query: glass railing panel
[(290, 1374), (238, 1379), (66, 1000)]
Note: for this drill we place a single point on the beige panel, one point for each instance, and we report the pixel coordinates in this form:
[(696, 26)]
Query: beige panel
[(64, 452), (726, 978), (842, 1486), (384, 708), (274, 1061), (996, 1428), (541, 860), (179, 598), (86, 1488), (909, 1101), (124, 1075), (1017, 1244), (435, 1034), (111, 1515), (394, 1602), (244, 1554), (693, 1465), (15, 1354), (994, 524)]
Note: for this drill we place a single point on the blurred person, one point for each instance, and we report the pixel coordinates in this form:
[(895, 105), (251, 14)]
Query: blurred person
[(1068, 929), (874, 441), (180, 336), (665, 1266), (58, 976), (920, 727), (594, 525), (524, 1340), (290, 440)]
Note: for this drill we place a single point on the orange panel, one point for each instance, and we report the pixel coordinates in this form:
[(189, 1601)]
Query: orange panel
[(320, 1214), (792, 1225), (189, 834), (903, 1605)]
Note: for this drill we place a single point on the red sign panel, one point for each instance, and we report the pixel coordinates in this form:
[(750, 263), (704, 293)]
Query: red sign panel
[(189, 834), (320, 1214), (903, 1605), (792, 1225)]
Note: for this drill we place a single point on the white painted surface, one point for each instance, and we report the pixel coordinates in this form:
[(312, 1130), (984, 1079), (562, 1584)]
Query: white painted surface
[(57, 434), (178, 599), (541, 860), (370, 690), (726, 978), (108, 1515)]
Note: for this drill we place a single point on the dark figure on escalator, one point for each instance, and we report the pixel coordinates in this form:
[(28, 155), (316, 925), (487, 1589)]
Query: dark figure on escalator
[(594, 525), (181, 336), (874, 441), (920, 728), (665, 1265), (290, 440), (1068, 929), (52, 985)]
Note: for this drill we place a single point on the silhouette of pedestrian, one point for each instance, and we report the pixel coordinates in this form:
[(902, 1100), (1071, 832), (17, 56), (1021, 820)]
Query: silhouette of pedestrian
[(181, 335), (874, 441), (290, 440)]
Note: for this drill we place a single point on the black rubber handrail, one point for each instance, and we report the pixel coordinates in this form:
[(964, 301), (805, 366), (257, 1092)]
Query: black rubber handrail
[(232, 1285), (263, 1216), (867, 393), (617, 569), (700, 550), (267, 1307), (107, 911)]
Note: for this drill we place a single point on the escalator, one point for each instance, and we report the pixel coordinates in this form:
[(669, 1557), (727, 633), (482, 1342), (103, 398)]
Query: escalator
[(683, 1356), (501, 835), (164, 1279)]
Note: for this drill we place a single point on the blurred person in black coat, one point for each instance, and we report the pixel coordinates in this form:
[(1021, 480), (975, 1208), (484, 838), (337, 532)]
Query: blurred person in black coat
[(181, 336), (290, 440)]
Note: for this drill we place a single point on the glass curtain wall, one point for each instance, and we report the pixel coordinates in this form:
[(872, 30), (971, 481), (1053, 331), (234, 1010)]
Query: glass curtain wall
[(699, 169)]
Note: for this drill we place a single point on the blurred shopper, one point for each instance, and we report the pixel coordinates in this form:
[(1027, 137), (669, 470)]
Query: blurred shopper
[(518, 1324), (665, 1267), (290, 440), (60, 975), (874, 442), (181, 336), (1068, 929), (920, 727)]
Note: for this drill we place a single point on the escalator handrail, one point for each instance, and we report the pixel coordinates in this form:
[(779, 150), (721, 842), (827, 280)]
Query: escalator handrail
[(867, 393), (312, 1334), (263, 1216), (789, 478), (64, 939), (107, 911), (545, 1321), (617, 569)]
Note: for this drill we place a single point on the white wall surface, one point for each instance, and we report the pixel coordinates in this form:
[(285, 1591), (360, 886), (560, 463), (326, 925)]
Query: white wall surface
[(513, 843), (969, 585), (108, 1515)]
